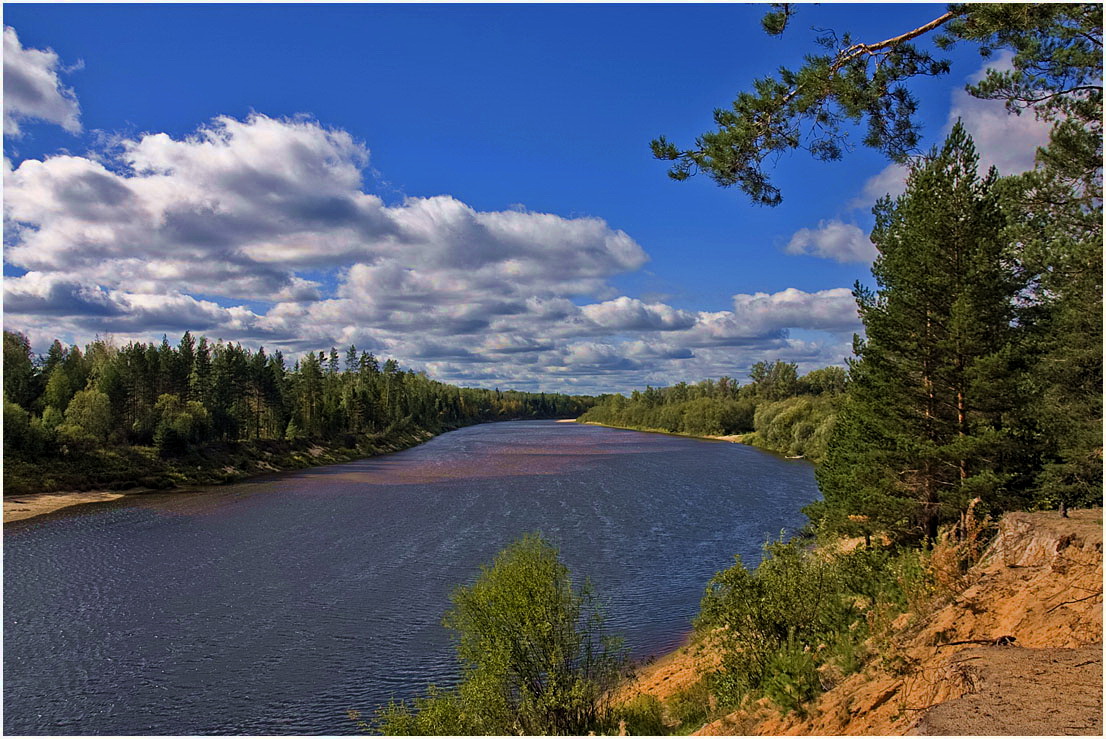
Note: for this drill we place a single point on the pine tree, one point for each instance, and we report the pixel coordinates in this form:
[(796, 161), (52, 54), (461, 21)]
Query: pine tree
[(924, 431), (1057, 224), (186, 358), (199, 379)]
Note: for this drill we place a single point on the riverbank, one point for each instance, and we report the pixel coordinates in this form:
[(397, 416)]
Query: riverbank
[(950, 666), (112, 474), (103, 475), (31, 490), (19, 507), (734, 438)]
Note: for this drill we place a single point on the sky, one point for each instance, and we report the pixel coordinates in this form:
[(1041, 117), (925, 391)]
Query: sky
[(465, 188)]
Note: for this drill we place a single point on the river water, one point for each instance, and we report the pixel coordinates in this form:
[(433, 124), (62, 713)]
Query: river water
[(277, 605)]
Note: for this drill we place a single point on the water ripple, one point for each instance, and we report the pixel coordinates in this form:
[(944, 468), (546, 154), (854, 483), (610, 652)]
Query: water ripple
[(274, 606)]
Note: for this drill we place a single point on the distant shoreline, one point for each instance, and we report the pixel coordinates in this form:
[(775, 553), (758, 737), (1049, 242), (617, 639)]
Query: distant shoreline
[(732, 438), (23, 506)]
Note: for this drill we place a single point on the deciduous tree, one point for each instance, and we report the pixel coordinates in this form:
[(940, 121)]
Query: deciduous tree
[(534, 657)]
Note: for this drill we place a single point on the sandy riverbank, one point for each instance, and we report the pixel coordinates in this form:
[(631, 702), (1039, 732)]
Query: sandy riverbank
[(19, 507), (942, 670)]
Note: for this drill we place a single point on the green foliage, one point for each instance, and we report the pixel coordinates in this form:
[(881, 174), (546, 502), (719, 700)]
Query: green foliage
[(755, 615), (438, 713), (52, 418), (798, 612), (690, 707), (825, 381), (1057, 73), (791, 676), (183, 399), (642, 715), (89, 413), (533, 655), (17, 423), (775, 381), (1055, 217), (20, 383), (775, 21), (180, 425), (933, 396), (59, 389), (790, 414), (798, 426), (667, 409)]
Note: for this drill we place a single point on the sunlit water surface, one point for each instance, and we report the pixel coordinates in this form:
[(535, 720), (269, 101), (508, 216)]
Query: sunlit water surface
[(275, 606)]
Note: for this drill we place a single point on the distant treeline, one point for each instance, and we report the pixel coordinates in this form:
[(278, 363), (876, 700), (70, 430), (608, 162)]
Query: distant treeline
[(177, 399), (778, 409)]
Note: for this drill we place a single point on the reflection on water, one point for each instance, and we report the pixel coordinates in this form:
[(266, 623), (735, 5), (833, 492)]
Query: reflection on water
[(274, 606)]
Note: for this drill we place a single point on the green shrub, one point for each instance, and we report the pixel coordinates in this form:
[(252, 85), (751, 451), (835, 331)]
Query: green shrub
[(90, 411), (791, 598), (179, 426), (791, 676), (533, 654), (76, 438), (800, 612), (438, 713), (798, 426)]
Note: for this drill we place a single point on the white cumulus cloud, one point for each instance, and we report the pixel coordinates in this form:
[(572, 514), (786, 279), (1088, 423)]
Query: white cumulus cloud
[(1002, 139), (833, 239), (242, 208), (832, 310), (891, 181), (33, 89), (632, 314), (262, 231)]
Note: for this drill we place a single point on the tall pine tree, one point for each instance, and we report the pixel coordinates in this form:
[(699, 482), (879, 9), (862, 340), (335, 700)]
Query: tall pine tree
[(924, 430)]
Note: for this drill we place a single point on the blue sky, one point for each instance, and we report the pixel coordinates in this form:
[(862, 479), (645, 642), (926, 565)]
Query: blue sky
[(466, 188)]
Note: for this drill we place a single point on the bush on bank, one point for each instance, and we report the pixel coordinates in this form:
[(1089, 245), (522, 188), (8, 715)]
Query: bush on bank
[(800, 621), (534, 656)]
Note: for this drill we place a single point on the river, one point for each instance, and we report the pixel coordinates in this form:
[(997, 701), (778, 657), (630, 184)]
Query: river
[(276, 605)]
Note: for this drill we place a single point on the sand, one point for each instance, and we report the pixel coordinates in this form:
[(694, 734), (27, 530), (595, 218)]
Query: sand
[(19, 507)]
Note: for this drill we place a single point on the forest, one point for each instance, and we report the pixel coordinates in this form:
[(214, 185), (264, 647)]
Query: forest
[(112, 416), (776, 410)]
